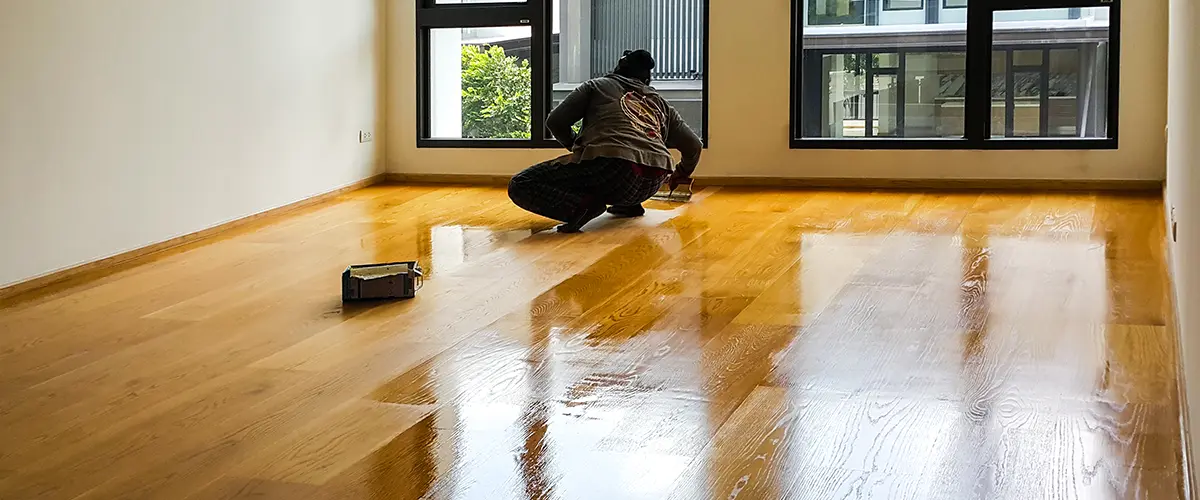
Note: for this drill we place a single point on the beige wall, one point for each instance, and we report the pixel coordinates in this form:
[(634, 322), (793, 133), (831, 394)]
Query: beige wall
[(750, 49), (1183, 191), (128, 122)]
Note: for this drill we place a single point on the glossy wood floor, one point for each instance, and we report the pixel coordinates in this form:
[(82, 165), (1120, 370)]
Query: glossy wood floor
[(751, 344)]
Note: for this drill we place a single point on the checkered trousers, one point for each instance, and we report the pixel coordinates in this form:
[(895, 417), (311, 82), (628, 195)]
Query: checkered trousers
[(564, 191)]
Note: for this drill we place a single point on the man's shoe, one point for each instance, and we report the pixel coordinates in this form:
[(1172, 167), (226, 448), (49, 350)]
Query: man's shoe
[(627, 210), (577, 225)]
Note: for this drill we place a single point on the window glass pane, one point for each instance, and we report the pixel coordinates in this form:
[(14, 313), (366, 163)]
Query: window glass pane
[(480, 83), (590, 36), (901, 74), (835, 12), (886, 114), (902, 4), (1027, 58), (1064, 92), (1057, 84), (935, 90), (1027, 103), (999, 92), (440, 2), (886, 60), (951, 4), (842, 104)]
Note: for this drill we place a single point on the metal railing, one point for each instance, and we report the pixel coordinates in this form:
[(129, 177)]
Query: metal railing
[(672, 30)]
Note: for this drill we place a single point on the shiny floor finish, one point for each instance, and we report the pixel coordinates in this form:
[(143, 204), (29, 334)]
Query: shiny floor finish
[(751, 344)]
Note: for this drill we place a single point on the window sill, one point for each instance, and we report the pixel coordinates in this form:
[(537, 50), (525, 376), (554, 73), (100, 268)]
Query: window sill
[(1001, 144), (497, 144), (487, 144)]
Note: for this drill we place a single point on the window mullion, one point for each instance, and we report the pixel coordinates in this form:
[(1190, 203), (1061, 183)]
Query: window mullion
[(979, 74), (539, 57)]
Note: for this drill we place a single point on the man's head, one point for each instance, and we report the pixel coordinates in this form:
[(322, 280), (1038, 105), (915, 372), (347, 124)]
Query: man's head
[(635, 64)]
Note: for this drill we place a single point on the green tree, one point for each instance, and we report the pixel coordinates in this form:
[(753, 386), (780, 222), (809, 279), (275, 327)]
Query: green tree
[(496, 94)]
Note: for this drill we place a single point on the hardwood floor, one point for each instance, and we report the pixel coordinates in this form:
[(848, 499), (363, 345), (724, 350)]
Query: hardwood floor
[(751, 344)]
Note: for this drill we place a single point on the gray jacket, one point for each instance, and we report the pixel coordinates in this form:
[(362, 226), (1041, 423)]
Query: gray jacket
[(624, 118)]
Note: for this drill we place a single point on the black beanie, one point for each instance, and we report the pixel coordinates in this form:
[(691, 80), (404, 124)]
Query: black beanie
[(636, 64)]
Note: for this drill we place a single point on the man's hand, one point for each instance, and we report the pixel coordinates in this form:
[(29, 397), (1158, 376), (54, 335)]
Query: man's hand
[(678, 179)]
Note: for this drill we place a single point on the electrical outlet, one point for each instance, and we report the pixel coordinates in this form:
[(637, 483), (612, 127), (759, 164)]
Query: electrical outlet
[(365, 137), (1174, 227)]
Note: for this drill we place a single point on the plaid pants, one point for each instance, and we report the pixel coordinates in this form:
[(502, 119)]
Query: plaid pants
[(566, 191)]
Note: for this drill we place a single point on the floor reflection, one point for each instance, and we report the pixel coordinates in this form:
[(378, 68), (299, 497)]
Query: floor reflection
[(749, 344), (945, 358)]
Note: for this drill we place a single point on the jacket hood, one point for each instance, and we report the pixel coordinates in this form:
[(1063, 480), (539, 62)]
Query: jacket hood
[(633, 84)]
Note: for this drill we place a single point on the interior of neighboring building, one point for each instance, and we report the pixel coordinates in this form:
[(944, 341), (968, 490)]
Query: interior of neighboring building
[(934, 249)]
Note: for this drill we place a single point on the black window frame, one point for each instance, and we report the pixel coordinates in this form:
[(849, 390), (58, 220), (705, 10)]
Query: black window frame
[(977, 126), (538, 16)]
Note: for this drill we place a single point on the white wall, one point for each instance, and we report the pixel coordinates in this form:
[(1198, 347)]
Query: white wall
[(748, 112), (128, 122), (1183, 191)]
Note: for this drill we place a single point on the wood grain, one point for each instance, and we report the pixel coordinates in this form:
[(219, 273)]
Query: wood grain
[(327, 446), (754, 343)]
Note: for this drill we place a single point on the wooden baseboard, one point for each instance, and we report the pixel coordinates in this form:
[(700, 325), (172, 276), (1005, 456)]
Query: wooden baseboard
[(95, 268), (936, 184), (839, 183), (454, 179), (1185, 435)]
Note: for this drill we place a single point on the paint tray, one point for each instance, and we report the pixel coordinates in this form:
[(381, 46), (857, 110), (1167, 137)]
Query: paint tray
[(395, 280)]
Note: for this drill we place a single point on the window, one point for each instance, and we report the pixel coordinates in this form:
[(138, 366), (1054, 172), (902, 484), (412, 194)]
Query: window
[(489, 71), (478, 88), (591, 40), (1055, 83), (893, 84), (935, 74), (903, 4)]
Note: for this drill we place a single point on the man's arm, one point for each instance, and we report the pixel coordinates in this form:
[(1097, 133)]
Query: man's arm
[(680, 136), (567, 114)]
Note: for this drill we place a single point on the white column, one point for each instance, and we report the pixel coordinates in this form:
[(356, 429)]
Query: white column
[(575, 41), (445, 91)]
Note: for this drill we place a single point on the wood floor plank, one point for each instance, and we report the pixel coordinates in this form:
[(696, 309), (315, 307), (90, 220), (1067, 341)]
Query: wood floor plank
[(110, 455), (191, 458), (940, 213), (42, 360), (326, 447), (745, 457), (118, 387), (235, 488), (477, 310), (748, 344)]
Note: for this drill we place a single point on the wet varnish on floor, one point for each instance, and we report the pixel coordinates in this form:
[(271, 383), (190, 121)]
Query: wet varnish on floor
[(751, 345)]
